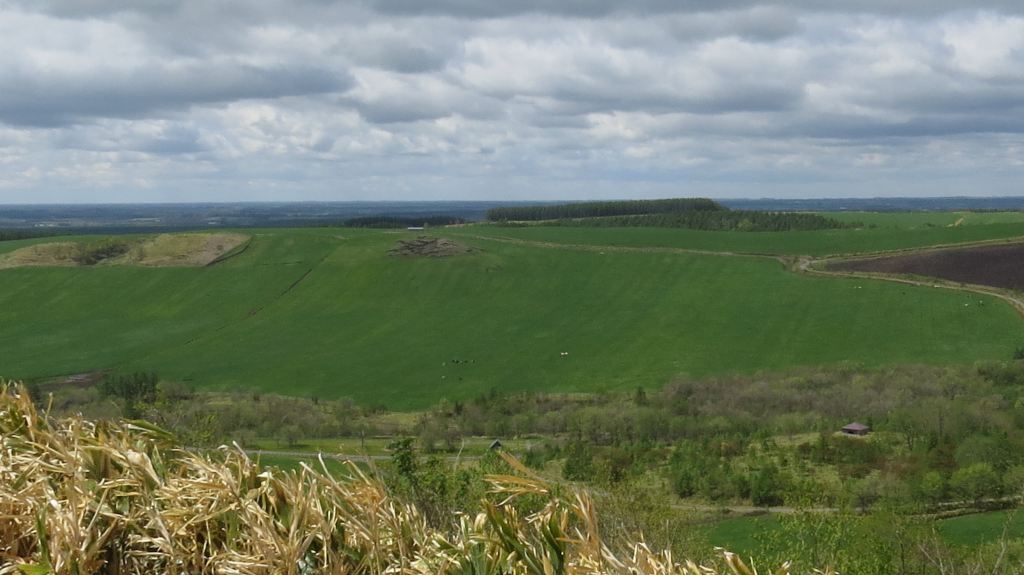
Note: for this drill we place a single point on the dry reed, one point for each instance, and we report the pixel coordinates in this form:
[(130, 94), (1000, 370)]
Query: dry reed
[(79, 497)]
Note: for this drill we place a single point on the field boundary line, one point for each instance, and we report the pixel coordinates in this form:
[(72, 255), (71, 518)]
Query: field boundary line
[(785, 258), (913, 250), (231, 254), (629, 249), (808, 265)]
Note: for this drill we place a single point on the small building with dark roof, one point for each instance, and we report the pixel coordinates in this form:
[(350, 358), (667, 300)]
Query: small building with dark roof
[(495, 445), (856, 429)]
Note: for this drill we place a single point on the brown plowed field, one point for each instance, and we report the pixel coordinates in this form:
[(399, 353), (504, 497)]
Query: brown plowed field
[(998, 266)]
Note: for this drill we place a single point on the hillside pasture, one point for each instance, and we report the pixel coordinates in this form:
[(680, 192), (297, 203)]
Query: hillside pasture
[(812, 243), (329, 313)]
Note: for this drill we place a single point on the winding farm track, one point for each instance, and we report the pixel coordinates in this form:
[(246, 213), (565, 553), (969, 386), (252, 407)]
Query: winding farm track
[(807, 264)]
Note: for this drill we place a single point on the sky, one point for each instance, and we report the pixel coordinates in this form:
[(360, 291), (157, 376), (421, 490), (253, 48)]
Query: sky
[(215, 100)]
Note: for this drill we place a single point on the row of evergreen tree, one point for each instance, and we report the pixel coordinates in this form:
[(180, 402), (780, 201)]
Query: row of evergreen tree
[(10, 235), (738, 220), (383, 222), (602, 209)]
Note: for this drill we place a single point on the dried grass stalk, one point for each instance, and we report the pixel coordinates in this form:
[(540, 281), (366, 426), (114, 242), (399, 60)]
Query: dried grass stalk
[(80, 497)]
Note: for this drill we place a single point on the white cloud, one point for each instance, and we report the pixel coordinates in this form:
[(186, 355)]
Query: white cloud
[(192, 99)]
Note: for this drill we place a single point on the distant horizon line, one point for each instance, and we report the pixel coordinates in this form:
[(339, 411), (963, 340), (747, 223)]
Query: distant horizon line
[(479, 201)]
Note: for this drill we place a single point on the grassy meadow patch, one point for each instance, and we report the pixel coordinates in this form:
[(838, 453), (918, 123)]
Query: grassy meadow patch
[(329, 313), (815, 243)]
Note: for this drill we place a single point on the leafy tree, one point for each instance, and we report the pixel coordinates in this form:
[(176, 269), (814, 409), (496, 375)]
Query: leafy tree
[(134, 389), (685, 481), (766, 487), (933, 487), (579, 462), (976, 482), (1013, 480), (983, 449), (404, 460), (599, 209)]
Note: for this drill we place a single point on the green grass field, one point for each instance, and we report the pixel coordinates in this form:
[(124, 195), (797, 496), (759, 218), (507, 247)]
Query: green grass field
[(327, 312), (742, 535), (980, 528), (747, 535), (915, 220), (815, 243)]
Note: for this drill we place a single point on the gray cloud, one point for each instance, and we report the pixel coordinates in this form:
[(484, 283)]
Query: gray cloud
[(53, 101), (601, 8), (458, 98)]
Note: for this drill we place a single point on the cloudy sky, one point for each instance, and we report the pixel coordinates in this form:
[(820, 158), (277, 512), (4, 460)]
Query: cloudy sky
[(193, 100)]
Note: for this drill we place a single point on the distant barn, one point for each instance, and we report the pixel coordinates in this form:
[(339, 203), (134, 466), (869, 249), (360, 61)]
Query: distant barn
[(856, 429), (495, 445)]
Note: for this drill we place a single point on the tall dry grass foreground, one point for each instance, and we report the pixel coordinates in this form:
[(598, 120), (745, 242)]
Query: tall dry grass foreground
[(79, 497)]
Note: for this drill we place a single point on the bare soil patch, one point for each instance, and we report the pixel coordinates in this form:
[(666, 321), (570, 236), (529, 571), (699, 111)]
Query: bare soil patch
[(425, 246), (186, 250), (1000, 266), (49, 254)]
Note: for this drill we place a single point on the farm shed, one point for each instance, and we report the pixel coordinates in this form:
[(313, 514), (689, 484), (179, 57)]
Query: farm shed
[(856, 429)]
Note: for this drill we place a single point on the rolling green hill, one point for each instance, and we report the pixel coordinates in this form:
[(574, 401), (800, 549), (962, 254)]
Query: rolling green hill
[(910, 220), (816, 243), (327, 312)]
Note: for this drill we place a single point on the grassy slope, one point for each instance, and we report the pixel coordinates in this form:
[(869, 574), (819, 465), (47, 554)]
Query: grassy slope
[(818, 243), (746, 535), (62, 320), (380, 329), (743, 535), (910, 220), (981, 528)]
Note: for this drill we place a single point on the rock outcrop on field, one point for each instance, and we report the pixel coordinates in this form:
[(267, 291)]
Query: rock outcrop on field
[(426, 246)]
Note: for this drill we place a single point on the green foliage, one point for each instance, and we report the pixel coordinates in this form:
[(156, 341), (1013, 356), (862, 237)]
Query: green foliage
[(976, 482), (391, 222), (741, 221), (134, 389), (766, 487), (882, 543), (933, 487), (600, 209), (404, 460), (440, 490), (979, 448), (579, 462), (90, 254), (13, 235)]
